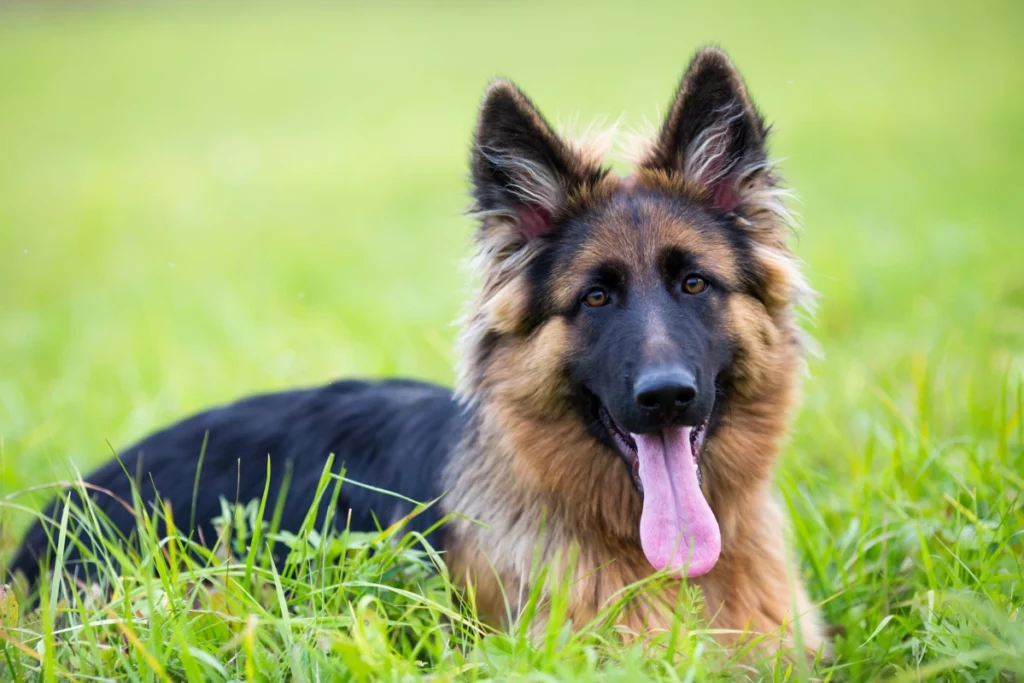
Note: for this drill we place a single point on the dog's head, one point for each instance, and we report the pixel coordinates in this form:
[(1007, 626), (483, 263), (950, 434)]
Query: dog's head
[(655, 309)]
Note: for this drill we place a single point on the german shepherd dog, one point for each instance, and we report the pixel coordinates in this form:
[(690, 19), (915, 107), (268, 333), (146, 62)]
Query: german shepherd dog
[(628, 369)]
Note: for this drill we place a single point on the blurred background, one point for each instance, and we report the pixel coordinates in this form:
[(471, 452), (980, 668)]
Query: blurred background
[(202, 200)]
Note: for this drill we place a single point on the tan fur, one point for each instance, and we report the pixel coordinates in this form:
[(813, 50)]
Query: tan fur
[(535, 488)]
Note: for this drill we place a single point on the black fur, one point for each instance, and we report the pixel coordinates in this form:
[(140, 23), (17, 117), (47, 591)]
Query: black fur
[(394, 435)]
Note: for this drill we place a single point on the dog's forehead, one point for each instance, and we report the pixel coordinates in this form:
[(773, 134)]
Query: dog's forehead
[(635, 226)]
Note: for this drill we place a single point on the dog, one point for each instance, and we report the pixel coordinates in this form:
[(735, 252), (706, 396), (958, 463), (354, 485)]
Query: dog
[(628, 368)]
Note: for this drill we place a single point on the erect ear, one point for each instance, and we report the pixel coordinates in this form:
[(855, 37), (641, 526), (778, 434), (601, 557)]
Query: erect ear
[(713, 135), (520, 167)]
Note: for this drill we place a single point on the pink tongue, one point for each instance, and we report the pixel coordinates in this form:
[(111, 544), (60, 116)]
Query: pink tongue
[(678, 531)]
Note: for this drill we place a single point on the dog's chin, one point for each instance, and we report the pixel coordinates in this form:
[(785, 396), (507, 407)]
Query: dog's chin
[(678, 530)]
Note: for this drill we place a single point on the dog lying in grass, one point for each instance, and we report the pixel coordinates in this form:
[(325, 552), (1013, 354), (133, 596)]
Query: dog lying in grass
[(629, 365)]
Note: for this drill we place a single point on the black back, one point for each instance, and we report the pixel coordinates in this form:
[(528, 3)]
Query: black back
[(394, 435)]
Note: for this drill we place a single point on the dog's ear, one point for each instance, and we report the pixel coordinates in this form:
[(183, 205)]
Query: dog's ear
[(520, 167), (712, 135)]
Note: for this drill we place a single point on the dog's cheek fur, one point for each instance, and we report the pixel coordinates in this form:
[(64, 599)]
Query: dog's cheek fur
[(532, 400), (528, 374), (760, 393), (755, 339)]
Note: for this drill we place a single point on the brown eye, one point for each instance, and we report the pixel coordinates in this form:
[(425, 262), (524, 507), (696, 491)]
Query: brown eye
[(596, 298), (694, 284)]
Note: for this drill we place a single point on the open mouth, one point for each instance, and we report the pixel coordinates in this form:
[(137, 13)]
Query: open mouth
[(678, 530), (627, 446)]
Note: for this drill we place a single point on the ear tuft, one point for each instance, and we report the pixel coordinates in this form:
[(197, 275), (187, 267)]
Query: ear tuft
[(520, 167), (712, 136)]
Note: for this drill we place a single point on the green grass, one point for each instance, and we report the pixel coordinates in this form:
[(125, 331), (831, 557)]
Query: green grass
[(201, 201)]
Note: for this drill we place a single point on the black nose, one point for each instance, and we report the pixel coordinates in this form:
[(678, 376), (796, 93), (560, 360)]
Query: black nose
[(661, 391)]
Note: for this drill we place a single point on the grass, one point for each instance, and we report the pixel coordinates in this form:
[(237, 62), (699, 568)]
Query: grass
[(200, 201)]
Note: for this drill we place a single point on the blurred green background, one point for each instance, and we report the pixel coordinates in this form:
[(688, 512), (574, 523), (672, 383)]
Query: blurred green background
[(198, 201)]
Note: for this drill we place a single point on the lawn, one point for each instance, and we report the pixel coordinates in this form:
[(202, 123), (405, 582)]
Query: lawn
[(199, 201)]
